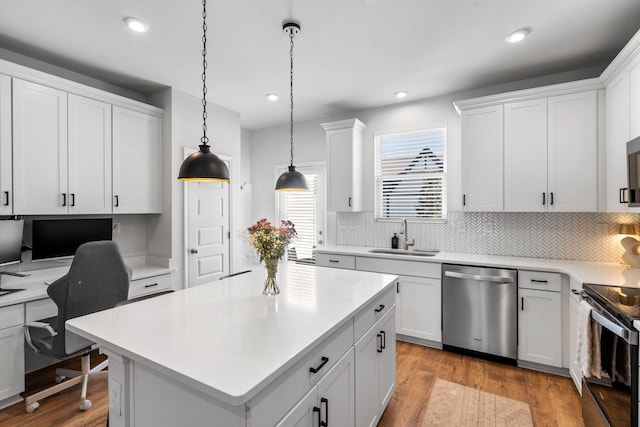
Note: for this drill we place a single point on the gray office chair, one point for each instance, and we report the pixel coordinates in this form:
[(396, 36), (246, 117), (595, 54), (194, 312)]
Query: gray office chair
[(97, 280)]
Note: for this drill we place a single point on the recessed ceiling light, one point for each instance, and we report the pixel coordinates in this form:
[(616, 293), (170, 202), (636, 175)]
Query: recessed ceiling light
[(402, 94), (518, 35), (136, 24), (272, 97)]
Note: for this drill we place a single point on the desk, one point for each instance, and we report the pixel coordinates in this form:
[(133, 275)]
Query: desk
[(223, 353), (32, 304)]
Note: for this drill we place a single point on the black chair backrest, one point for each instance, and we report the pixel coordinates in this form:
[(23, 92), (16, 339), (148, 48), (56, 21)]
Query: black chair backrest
[(97, 280)]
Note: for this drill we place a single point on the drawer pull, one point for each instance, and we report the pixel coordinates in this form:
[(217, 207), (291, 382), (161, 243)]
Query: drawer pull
[(379, 338), (379, 309), (151, 285), (324, 423), (575, 292), (384, 339), (539, 281), (334, 260), (323, 362)]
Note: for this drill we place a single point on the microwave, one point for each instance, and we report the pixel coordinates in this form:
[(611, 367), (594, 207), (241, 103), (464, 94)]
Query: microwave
[(633, 171)]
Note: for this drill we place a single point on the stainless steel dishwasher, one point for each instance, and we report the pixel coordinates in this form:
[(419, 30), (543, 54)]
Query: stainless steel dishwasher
[(480, 311)]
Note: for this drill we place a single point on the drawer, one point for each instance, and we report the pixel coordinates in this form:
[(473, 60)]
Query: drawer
[(40, 309), (400, 267), (539, 280), (272, 403), (11, 315), (149, 285), (336, 261), (373, 312)]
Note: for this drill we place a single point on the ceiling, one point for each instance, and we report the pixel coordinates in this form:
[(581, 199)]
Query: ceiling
[(350, 54)]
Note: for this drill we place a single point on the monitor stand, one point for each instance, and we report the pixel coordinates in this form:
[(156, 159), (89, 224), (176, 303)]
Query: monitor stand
[(10, 273)]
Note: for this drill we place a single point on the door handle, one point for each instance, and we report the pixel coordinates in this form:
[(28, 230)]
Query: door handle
[(544, 198), (323, 362), (478, 277), (117, 201), (464, 200), (397, 287), (324, 423), (379, 309), (6, 198), (551, 196), (384, 339), (379, 338), (316, 410), (193, 251), (64, 199), (349, 201), (522, 303), (73, 199)]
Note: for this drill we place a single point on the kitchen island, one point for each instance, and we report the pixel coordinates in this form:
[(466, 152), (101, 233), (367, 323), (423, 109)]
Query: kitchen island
[(225, 354)]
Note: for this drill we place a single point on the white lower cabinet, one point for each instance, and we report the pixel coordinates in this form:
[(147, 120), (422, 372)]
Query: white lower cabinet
[(539, 327), (418, 303), (375, 363), (331, 400), (11, 351), (574, 323)]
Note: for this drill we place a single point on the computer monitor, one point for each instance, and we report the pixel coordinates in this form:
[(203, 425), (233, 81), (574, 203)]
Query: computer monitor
[(10, 241), (58, 238)]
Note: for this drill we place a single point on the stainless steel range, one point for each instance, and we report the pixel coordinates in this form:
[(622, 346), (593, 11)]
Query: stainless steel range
[(612, 399)]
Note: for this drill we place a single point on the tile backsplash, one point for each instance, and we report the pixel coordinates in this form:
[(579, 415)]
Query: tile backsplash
[(578, 236)]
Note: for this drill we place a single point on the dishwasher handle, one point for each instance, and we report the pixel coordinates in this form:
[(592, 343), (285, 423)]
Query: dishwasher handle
[(479, 277)]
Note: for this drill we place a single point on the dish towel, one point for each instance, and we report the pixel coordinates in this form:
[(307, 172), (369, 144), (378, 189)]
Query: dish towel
[(588, 354)]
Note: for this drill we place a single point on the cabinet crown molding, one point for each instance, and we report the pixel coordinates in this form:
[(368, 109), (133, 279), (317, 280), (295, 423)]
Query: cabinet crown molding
[(628, 53), (344, 124), (527, 94)]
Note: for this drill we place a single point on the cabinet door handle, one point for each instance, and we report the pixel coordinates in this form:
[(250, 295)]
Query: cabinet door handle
[(384, 339), (575, 292), (544, 199), (324, 423), (625, 195), (379, 309), (6, 198), (117, 201), (522, 303), (64, 199), (151, 286), (551, 196), (316, 410), (73, 199), (464, 200), (379, 338), (349, 201), (397, 287), (323, 361), (539, 281)]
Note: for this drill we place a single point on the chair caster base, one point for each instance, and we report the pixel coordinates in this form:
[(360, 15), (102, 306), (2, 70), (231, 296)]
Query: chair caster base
[(32, 407), (86, 405)]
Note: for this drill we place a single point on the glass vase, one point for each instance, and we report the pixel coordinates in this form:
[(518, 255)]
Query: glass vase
[(270, 285)]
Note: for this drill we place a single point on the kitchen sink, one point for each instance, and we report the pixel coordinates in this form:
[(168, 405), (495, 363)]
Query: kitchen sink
[(414, 252)]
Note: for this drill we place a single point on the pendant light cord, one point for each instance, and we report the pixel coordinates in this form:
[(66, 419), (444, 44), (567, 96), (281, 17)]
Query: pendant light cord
[(204, 138), (291, 33)]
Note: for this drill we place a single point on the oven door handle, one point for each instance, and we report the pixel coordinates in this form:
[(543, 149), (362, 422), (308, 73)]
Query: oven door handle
[(628, 335)]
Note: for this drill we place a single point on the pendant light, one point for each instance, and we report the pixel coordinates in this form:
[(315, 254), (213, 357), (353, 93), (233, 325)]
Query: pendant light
[(291, 180), (203, 165)]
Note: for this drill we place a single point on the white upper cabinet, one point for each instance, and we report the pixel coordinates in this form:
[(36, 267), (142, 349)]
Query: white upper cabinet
[(525, 156), (533, 150), (39, 149), (89, 156), (573, 153), (6, 169), (634, 98), (482, 159), (344, 157), (137, 157)]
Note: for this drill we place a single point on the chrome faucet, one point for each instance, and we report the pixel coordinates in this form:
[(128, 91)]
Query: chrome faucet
[(406, 235)]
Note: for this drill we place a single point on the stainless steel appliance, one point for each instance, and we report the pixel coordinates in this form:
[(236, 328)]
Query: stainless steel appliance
[(633, 174), (612, 399), (480, 311)]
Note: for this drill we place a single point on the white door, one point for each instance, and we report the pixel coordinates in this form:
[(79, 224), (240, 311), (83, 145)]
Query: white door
[(617, 118), (539, 337), (208, 228), (306, 210), (368, 378), (337, 394), (525, 156), (418, 308), (39, 149), (387, 360), (573, 151), (482, 143), (6, 173)]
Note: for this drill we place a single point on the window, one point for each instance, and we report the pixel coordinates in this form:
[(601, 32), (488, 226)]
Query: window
[(411, 175), (305, 209)]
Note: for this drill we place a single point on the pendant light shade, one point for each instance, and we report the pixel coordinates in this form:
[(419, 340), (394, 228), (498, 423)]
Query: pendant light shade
[(291, 180), (203, 165)]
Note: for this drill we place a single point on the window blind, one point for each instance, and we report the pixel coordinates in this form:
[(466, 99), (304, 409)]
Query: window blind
[(411, 175), (301, 209)]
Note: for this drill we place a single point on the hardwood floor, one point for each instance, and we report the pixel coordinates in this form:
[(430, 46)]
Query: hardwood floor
[(553, 399)]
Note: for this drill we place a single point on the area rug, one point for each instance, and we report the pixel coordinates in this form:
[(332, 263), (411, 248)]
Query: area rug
[(453, 404)]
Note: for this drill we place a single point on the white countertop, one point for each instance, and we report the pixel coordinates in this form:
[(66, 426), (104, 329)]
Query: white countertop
[(226, 338), (35, 288), (603, 273)]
